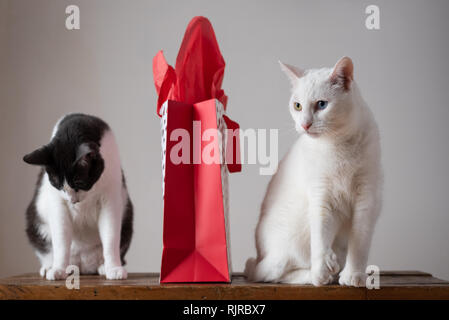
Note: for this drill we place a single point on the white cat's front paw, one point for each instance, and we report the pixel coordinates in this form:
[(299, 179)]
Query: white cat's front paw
[(116, 273), (331, 263), (56, 274), (321, 278), (352, 278), (324, 268)]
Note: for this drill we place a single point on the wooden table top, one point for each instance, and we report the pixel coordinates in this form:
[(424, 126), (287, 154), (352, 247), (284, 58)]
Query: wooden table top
[(393, 285)]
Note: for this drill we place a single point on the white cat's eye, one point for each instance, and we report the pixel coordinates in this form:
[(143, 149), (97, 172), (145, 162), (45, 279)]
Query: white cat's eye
[(321, 105), (297, 106)]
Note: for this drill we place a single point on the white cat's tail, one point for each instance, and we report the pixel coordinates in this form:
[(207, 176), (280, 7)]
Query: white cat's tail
[(249, 268)]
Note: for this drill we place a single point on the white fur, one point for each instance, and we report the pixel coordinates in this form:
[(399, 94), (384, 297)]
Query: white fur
[(322, 204), (84, 229)]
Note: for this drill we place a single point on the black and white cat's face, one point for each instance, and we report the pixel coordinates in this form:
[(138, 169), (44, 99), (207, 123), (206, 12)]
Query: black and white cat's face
[(73, 170)]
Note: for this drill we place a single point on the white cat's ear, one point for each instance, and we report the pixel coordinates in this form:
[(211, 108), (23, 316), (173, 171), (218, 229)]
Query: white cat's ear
[(343, 73), (39, 157), (293, 73)]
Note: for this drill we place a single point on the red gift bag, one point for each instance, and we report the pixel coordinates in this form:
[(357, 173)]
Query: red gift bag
[(192, 106)]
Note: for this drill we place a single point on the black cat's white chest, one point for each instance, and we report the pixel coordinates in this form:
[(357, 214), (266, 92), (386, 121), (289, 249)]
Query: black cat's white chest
[(86, 212)]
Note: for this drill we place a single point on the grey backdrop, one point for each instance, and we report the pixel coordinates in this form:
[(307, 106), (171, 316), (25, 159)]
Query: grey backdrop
[(105, 69)]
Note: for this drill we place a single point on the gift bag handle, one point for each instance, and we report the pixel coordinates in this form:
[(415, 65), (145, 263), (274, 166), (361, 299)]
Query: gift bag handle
[(232, 158)]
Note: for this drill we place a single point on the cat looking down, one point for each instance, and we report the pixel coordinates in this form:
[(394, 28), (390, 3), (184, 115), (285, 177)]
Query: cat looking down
[(81, 213)]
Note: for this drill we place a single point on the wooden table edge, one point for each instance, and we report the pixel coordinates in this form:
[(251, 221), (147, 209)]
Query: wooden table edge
[(142, 286)]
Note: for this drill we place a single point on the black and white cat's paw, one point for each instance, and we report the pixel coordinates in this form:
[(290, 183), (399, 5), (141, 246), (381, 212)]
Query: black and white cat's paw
[(115, 273), (43, 271), (324, 269), (55, 274), (101, 271), (352, 278)]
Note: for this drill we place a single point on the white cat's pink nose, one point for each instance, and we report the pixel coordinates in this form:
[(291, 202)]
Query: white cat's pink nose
[(306, 126)]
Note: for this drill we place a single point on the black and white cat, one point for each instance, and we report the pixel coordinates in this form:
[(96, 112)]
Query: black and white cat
[(81, 213)]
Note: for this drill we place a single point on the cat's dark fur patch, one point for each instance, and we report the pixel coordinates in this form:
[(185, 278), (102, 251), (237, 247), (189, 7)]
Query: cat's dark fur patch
[(75, 132), (33, 222)]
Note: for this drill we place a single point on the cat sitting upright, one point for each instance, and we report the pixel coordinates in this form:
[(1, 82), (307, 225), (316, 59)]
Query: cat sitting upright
[(81, 213), (322, 204)]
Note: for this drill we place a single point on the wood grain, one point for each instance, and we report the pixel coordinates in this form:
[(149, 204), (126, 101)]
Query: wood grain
[(394, 285)]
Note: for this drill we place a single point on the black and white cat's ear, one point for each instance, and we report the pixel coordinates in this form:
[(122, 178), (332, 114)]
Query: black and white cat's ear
[(86, 152), (39, 157), (343, 73), (293, 73)]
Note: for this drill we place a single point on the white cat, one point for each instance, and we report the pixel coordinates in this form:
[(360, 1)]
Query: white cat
[(81, 213), (321, 206)]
